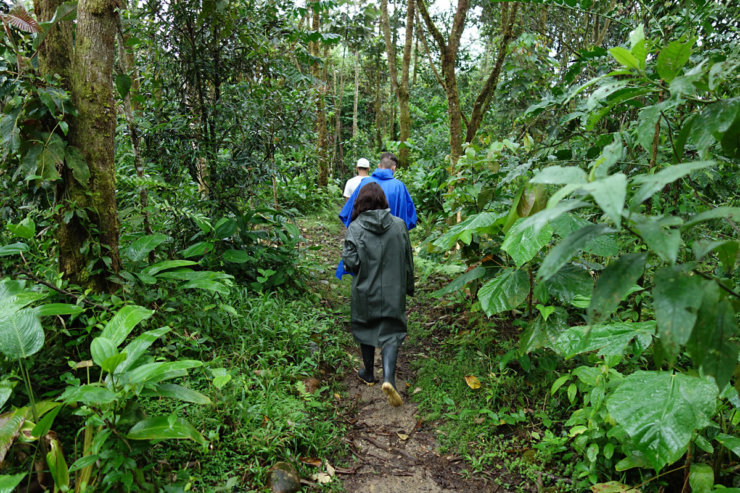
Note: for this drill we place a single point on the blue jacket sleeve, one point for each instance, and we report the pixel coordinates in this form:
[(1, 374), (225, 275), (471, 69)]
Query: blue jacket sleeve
[(410, 211)]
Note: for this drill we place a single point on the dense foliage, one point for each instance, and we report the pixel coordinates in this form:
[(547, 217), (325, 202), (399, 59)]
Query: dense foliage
[(586, 234)]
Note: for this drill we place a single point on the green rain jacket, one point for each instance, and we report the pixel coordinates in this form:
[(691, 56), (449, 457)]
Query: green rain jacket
[(378, 251)]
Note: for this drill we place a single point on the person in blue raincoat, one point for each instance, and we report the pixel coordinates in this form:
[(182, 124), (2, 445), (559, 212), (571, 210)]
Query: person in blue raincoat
[(399, 199)]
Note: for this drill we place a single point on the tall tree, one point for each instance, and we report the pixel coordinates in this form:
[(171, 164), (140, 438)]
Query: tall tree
[(319, 76), (88, 231), (401, 90), (448, 50)]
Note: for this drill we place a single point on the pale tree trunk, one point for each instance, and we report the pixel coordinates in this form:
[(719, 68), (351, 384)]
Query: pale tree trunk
[(448, 49), (357, 96), (339, 155), (508, 17), (404, 117), (378, 106), (93, 132)]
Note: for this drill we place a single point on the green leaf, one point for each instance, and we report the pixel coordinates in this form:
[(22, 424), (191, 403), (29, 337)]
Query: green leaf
[(609, 193), (25, 229), (614, 284), (624, 57), (208, 285), (45, 423), (236, 256), (13, 249), (123, 84), (101, 349), (701, 478), (560, 175), (141, 247), (569, 282), (159, 371), (505, 292), (610, 155), (123, 322), (609, 339), (83, 462), (8, 483), (729, 442), (654, 183), (159, 428), (658, 235), (476, 224), (77, 163), (198, 249), (179, 392), (646, 121), (672, 58), (225, 227), (167, 265), (543, 333), (220, 377), (569, 246), (6, 390), (544, 217), (716, 213), (676, 299), (461, 281), (88, 394), (711, 346), (136, 348), (53, 309), (51, 156), (660, 411), (10, 427), (21, 334), (523, 243)]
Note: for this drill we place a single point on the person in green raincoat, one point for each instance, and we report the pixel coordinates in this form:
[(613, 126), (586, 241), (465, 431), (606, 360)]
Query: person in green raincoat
[(378, 252)]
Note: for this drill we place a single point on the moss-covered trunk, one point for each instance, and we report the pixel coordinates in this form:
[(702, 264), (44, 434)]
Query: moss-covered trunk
[(54, 52), (88, 226)]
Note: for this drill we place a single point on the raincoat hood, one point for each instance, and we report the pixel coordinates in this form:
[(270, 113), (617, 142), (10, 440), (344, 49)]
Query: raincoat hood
[(377, 221)]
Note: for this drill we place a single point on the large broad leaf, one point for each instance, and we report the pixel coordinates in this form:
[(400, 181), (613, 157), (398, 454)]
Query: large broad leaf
[(464, 231), (21, 334), (167, 265), (544, 217), (198, 249), (658, 235), (124, 321), (140, 248), (660, 411), (8, 483), (179, 392), (51, 156), (609, 193), (560, 175), (25, 229), (158, 371), (727, 251), (461, 281), (569, 282), (76, 162), (10, 427), (672, 58), (53, 309), (625, 57), (614, 283), (729, 442), (654, 183), (136, 348), (88, 394), (572, 244), (610, 155), (505, 292), (676, 297), (208, 285), (609, 339), (225, 227), (716, 213), (236, 256), (523, 243), (164, 428), (543, 332), (101, 350), (13, 249), (711, 346)]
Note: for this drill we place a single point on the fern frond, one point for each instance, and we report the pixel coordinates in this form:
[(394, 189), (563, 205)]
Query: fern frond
[(20, 18)]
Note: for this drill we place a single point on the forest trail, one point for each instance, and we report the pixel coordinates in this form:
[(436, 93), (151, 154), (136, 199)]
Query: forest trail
[(392, 449)]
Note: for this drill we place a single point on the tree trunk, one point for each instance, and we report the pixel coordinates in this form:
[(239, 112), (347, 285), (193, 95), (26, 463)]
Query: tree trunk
[(88, 240), (508, 16), (378, 107), (54, 52)]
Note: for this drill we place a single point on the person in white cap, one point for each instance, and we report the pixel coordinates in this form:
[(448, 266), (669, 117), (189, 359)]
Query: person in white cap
[(363, 170)]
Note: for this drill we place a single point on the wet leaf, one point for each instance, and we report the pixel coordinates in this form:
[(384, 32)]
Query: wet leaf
[(472, 381)]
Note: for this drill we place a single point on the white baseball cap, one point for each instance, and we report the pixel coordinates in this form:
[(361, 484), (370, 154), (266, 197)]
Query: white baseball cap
[(363, 163)]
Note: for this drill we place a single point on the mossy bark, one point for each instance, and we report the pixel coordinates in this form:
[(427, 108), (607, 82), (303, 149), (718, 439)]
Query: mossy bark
[(54, 52), (95, 221), (322, 143)]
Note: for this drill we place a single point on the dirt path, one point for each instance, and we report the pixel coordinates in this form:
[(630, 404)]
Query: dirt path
[(392, 449)]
